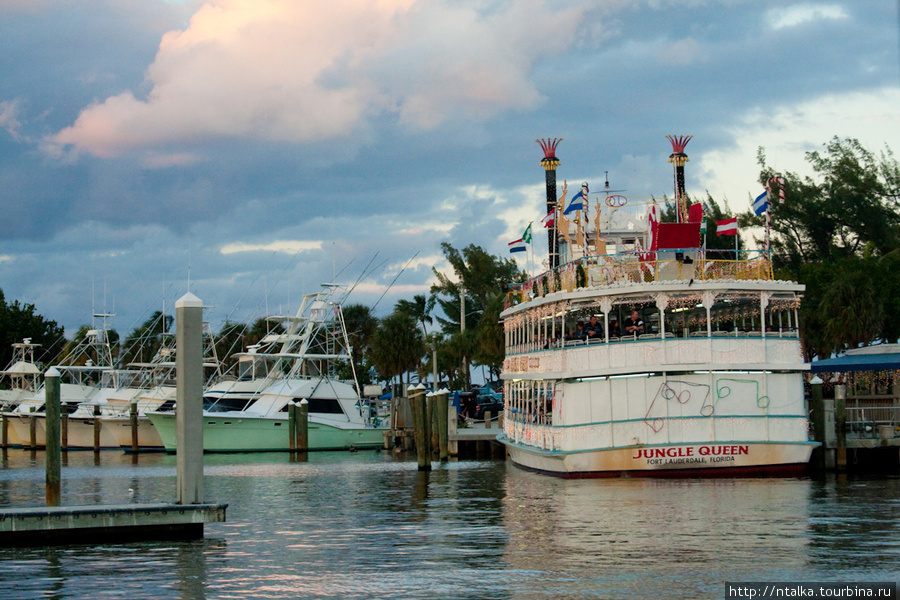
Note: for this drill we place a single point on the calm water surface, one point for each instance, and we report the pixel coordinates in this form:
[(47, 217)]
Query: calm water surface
[(369, 525)]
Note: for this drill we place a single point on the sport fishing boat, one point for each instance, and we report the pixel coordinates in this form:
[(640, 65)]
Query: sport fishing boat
[(250, 414), (691, 366), (82, 370)]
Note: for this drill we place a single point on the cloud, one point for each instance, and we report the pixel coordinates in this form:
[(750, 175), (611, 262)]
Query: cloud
[(788, 132), (284, 247), (9, 117), (278, 70), (793, 16)]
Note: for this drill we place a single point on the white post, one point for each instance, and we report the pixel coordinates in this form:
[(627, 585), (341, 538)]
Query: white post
[(189, 399)]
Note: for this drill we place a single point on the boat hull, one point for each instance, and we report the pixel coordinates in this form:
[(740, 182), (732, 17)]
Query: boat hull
[(20, 431), (120, 430), (676, 460), (266, 434)]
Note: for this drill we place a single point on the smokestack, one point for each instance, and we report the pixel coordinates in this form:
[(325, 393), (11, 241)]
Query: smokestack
[(678, 158), (550, 162)]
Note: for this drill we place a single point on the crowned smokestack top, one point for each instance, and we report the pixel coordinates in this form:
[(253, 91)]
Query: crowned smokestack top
[(550, 162), (549, 147), (678, 158)]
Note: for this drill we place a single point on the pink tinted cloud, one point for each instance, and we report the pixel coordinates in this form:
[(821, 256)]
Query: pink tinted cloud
[(304, 72)]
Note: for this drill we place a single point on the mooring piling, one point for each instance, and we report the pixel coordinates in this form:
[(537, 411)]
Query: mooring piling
[(189, 399), (52, 442)]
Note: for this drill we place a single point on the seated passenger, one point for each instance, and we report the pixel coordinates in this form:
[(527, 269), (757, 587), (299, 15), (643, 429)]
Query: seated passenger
[(593, 330), (579, 333), (634, 325)]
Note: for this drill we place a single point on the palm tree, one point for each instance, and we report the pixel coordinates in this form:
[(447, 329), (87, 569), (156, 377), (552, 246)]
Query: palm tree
[(419, 309)]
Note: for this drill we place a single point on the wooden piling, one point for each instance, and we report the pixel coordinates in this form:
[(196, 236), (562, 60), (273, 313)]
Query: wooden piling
[(817, 413), (417, 403), (96, 428), (303, 426), (4, 431), (429, 417), (441, 409), (32, 431), (64, 429), (840, 423), (53, 470), (292, 426), (133, 415)]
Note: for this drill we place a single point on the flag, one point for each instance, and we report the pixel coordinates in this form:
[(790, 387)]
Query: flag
[(526, 237), (577, 203), (550, 219), (761, 204), (727, 227), (703, 226), (517, 246)]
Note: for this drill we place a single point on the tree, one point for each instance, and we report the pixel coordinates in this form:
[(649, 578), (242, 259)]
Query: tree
[(142, 344), (420, 309), (20, 321), (397, 346), (361, 325), (839, 235), (853, 204), (483, 279)]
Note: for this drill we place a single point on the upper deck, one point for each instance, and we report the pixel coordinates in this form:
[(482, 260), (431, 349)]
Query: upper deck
[(696, 314)]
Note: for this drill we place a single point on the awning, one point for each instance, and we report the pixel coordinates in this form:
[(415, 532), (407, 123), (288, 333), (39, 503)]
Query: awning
[(858, 362)]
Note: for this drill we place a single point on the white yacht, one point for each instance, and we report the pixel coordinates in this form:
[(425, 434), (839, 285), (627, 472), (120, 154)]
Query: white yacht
[(250, 414)]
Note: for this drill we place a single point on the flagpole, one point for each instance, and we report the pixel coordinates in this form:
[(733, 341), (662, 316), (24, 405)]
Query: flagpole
[(530, 247), (736, 236)]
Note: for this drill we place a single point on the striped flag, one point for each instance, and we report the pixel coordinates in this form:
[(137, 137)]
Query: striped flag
[(550, 219), (761, 204), (517, 246), (727, 227)]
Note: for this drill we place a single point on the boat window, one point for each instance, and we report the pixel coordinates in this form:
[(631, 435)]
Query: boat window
[(224, 404), (323, 405), (167, 406)]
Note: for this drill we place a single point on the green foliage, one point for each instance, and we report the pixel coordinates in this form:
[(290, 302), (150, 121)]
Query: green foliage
[(851, 205), (397, 345), (485, 279), (142, 344), (839, 235), (20, 321), (361, 325)]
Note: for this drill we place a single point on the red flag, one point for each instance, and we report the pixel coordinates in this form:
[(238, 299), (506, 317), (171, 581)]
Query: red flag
[(727, 227), (550, 219)]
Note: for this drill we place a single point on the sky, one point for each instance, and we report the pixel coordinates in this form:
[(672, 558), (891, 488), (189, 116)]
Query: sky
[(248, 151)]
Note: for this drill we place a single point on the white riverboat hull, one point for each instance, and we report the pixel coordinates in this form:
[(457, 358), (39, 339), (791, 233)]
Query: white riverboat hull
[(676, 460), (241, 433)]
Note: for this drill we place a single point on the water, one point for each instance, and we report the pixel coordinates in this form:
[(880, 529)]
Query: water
[(368, 525)]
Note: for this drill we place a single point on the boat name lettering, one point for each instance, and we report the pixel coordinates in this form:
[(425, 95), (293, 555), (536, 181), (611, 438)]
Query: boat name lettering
[(688, 451)]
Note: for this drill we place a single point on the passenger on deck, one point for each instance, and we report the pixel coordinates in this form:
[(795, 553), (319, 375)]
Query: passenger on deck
[(614, 329), (593, 330), (579, 333), (634, 324)]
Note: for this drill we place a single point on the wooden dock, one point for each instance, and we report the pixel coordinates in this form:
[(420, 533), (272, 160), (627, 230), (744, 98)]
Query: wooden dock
[(42, 525)]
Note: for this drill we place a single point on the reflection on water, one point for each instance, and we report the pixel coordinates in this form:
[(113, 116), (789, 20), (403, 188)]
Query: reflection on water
[(367, 525)]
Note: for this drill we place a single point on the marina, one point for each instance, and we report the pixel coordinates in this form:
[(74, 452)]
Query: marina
[(369, 525)]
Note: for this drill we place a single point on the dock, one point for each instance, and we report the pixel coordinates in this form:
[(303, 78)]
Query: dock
[(53, 525), (476, 440)]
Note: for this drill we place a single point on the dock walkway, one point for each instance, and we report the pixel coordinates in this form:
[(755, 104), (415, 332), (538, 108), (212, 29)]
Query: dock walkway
[(36, 526)]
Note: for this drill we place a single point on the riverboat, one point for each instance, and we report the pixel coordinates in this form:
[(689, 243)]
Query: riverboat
[(710, 384)]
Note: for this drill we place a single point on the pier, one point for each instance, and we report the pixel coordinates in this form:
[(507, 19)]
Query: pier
[(183, 519)]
